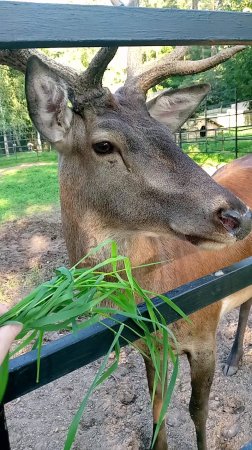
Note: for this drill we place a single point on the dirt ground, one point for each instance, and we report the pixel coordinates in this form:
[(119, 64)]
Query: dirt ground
[(118, 417)]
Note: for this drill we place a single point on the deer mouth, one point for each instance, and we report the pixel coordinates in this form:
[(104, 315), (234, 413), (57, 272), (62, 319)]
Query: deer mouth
[(205, 243)]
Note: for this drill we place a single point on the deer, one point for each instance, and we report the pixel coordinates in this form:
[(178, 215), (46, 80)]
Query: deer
[(122, 176), (242, 187)]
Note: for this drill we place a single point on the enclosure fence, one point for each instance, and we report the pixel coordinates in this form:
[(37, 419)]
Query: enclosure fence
[(28, 25), (218, 130), (222, 131)]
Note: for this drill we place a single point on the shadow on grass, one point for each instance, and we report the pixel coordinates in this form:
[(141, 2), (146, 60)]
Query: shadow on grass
[(27, 157)]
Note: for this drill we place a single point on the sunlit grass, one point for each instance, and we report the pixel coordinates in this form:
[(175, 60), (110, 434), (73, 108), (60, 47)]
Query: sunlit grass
[(28, 191), (27, 157), (32, 190)]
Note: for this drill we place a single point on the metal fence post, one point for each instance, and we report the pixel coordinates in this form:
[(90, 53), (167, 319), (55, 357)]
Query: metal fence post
[(205, 117), (180, 138), (236, 122)]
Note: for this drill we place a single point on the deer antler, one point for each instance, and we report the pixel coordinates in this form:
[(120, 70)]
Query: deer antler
[(148, 75), (153, 73), (91, 78)]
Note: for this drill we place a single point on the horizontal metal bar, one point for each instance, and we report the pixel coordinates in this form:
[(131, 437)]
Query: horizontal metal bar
[(74, 351), (29, 25)]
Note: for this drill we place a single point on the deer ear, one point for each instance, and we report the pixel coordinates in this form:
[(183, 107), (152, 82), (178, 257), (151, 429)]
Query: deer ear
[(47, 99), (174, 107)]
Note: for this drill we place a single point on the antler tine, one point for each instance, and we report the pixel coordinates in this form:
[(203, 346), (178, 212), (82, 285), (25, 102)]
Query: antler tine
[(168, 65), (92, 77), (177, 53), (17, 59), (135, 66)]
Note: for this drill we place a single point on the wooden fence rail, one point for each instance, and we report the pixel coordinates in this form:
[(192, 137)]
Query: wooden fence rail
[(74, 351), (28, 25)]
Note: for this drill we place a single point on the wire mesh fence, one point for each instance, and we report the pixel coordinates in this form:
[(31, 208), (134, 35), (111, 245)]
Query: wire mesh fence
[(220, 130), (22, 144), (223, 131)]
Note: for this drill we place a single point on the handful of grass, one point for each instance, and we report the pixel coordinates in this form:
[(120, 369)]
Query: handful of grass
[(74, 299)]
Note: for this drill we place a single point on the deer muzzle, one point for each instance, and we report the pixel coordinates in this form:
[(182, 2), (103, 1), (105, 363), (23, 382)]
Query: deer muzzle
[(236, 223)]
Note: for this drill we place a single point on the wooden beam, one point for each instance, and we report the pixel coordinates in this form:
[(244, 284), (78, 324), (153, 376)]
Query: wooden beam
[(30, 25), (74, 351)]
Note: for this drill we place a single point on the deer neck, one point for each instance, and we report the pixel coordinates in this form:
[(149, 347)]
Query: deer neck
[(84, 235)]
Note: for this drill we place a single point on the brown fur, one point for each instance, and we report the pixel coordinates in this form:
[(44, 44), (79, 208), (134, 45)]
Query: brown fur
[(144, 193), (187, 263)]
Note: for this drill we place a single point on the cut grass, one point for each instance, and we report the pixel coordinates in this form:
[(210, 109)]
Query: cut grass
[(74, 299), (26, 191)]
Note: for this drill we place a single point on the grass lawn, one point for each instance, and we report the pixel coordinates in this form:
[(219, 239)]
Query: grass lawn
[(221, 149), (26, 157), (213, 159), (29, 190)]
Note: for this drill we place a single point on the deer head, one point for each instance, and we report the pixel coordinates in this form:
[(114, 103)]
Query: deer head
[(120, 170)]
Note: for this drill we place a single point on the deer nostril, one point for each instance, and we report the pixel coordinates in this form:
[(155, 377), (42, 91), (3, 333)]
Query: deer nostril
[(230, 219)]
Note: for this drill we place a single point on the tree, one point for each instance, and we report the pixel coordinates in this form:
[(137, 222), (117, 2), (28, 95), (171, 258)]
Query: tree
[(232, 76), (13, 104)]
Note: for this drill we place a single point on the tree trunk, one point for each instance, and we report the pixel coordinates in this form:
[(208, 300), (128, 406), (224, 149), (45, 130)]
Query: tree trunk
[(39, 143), (6, 147), (195, 4)]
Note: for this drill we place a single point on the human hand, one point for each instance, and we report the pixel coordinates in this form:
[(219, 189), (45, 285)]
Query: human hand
[(7, 335)]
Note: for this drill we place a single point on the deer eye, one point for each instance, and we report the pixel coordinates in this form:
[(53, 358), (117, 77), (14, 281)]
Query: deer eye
[(103, 147)]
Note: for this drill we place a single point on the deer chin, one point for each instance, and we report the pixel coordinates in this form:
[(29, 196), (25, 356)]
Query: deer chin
[(217, 242), (210, 244)]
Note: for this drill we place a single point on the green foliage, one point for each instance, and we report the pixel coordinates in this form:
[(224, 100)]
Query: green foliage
[(237, 74), (229, 80), (13, 110), (232, 5), (74, 300)]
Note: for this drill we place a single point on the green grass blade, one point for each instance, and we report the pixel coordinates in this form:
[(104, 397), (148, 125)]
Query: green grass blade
[(77, 298), (40, 341), (166, 400), (76, 420)]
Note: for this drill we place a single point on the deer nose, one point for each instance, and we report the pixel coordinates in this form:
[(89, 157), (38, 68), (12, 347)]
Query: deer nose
[(236, 223)]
